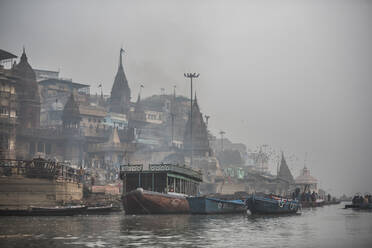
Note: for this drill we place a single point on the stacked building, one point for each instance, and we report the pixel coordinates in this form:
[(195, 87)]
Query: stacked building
[(43, 115)]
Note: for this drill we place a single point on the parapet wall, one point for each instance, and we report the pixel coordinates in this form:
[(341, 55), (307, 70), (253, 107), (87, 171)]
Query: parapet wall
[(17, 192)]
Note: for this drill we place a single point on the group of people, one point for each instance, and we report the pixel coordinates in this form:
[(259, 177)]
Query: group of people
[(309, 196), (305, 196), (359, 199)]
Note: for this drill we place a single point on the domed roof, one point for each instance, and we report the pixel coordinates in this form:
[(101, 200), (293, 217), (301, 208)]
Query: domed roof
[(305, 177)]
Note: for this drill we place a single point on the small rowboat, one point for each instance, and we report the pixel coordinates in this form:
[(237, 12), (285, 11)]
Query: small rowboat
[(59, 210), (272, 205), (101, 209)]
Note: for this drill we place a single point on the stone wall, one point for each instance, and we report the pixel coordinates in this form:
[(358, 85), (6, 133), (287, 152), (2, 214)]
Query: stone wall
[(19, 193)]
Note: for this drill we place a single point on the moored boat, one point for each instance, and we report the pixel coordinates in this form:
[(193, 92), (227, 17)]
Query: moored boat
[(205, 205), (360, 202), (272, 205), (162, 189), (101, 209), (140, 201), (58, 210), (45, 211)]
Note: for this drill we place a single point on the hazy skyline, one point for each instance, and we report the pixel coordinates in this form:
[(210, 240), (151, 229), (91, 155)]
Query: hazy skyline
[(292, 74)]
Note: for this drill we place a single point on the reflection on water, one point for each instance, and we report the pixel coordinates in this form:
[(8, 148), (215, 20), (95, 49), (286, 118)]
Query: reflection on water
[(329, 226)]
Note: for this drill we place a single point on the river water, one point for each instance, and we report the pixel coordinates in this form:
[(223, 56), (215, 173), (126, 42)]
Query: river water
[(328, 226)]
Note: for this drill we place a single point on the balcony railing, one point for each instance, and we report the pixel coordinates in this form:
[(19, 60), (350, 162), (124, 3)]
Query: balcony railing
[(40, 168)]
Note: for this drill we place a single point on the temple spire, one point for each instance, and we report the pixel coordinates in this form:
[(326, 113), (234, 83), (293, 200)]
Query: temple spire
[(120, 92), (284, 172), (120, 58), (23, 56)]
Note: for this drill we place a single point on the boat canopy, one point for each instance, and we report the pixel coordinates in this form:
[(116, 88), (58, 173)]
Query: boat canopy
[(162, 178)]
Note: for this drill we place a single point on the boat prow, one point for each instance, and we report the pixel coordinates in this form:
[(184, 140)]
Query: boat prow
[(140, 201)]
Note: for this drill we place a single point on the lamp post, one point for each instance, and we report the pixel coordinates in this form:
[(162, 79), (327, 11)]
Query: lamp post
[(173, 114), (206, 119), (191, 76), (222, 133)]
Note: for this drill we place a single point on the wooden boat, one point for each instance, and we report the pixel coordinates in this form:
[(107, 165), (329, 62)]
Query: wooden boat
[(272, 205), (59, 210), (141, 201), (205, 205), (100, 209), (162, 189)]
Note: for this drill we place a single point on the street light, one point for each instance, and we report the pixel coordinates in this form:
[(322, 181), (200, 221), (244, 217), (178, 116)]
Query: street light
[(206, 119), (191, 76), (222, 133), (172, 112)]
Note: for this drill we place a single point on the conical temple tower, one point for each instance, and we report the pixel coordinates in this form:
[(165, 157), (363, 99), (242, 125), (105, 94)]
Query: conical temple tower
[(284, 172), (120, 92), (27, 93), (200, 142), (114, 137), (71, 113)]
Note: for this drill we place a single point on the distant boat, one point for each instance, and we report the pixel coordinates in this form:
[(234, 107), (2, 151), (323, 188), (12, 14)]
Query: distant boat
[(363, 206), (272, 205), (360, 202), (205, 205)]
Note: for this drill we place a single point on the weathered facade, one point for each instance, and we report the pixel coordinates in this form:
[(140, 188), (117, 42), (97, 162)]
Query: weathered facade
[(38, 183), (8, 109), (77, 127)]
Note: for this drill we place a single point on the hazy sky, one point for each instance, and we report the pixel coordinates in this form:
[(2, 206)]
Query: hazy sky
[(292, 74)]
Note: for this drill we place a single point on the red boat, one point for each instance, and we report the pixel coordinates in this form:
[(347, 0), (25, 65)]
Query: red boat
[(162, 189), (141, 201)]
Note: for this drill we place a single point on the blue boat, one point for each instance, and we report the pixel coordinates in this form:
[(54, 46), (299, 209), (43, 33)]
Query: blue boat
[(272, 205), (205, 205)]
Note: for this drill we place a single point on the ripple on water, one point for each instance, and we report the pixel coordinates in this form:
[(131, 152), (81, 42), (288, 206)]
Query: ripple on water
[(321, 227)]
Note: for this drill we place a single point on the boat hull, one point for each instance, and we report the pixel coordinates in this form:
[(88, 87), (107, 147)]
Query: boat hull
[(45, 211), (102, 210), (204, 205), (141, 201), (360, 206), (263, 205)]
